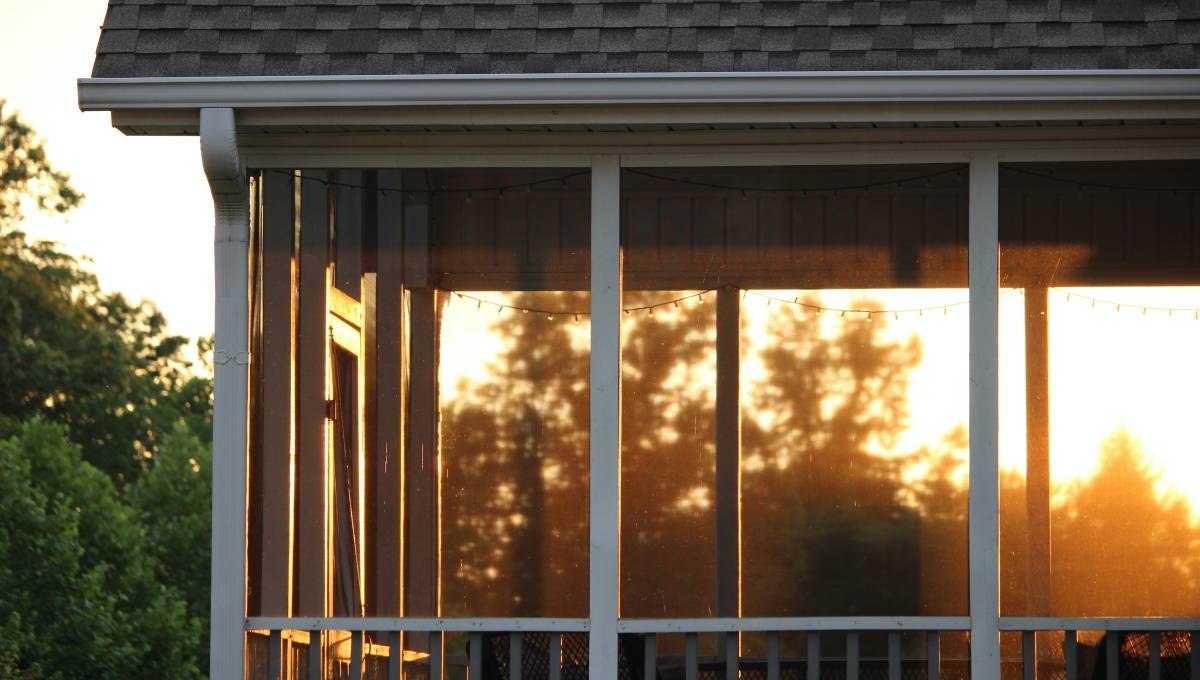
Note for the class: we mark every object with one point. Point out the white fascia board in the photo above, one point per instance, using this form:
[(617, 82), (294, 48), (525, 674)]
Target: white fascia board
[(340, 92)]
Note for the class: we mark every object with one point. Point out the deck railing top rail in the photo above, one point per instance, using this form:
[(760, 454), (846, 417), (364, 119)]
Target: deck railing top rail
[(418, 624), (1123, 624), (808, 623)]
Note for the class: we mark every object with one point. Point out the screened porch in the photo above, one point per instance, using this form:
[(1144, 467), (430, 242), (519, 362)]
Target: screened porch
[(773, 419)]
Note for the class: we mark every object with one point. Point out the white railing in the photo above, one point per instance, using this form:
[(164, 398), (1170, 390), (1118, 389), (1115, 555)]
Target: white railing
[(275, 628), (730, 658), (814, 627), (1114, 629)]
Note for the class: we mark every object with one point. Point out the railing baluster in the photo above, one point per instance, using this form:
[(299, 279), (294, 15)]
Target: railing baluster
[(852, 655), (1112, 643), (1071, 652), (933, 655), (515, 663), (395, 654), (435, 655), (1196, 654), (356, 654), (1156, 655), (691, 661), (314, 655), (274, 669), (894, 655), (773, 655), (813, 663), (650, 672), (554, 660), (731, 656), (475, 652), (1029, 654)]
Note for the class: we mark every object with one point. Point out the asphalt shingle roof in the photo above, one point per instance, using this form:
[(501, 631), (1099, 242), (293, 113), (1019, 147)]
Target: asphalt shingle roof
[(343, 37)]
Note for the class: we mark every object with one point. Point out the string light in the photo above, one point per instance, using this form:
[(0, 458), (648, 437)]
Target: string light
[(576, 315), (1120, 306), (817, 310)]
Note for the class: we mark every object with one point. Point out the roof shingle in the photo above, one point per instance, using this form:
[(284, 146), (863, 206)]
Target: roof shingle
[(302, 37)]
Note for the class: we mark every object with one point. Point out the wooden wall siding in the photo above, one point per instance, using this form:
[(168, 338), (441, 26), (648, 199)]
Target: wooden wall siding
[(348, 232), (1050, 235), (254, 496), (871, 240), (534, 240), (388, 328), (312, 343), (422, 562), (278, 272), (421, 494)]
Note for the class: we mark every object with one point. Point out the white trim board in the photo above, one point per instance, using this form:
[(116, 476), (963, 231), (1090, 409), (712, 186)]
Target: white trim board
[(114, 94), (715, 156)]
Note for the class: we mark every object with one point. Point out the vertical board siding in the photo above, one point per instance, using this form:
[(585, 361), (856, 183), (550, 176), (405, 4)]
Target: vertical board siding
[(420, 591), (254, 497), (421, 479), (1037, 451), (348, 233), (545, 230), (728, 493), (390, 398), (278, 260), (775, 231), (311, 341)]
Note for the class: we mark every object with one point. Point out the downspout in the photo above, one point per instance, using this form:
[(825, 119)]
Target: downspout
[(231, 359)]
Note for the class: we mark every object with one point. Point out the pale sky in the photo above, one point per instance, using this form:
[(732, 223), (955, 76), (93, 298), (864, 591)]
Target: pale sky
[(147, 221)]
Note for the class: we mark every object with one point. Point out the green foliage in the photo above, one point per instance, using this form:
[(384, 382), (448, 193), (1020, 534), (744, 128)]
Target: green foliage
[(26, 172), (105, 475), (173, 501), (76, 355), (81, 593)]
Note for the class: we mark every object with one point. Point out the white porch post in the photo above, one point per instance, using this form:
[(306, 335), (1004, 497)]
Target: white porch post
[(227, 180), (605, 420), (984, 263)]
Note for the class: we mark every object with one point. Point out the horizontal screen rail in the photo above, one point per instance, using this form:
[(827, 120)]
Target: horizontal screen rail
[(1125, 625), (415, 624), (817, 623)]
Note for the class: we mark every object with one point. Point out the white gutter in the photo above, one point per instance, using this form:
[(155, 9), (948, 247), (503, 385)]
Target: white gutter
[(879, 87)]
